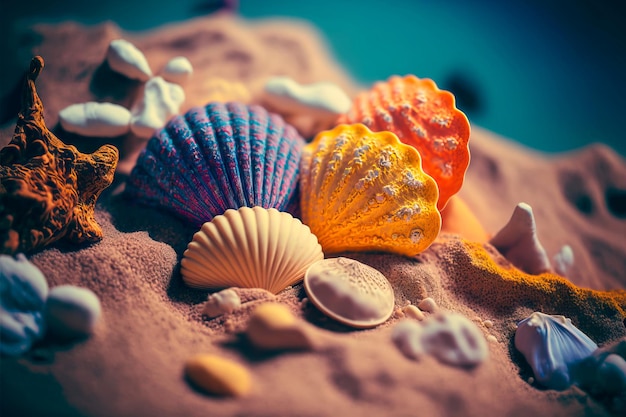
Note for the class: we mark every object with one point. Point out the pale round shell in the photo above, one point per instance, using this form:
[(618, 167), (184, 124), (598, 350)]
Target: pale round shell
[(250, 248), (350, 292)]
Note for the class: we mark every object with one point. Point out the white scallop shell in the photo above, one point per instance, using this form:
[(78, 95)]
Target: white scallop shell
[(125, 58), (94, 119), (552, 346), (250, 248), (350, 292)]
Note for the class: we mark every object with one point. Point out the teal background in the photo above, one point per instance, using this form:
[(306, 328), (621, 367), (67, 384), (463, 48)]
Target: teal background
[(549, 74)]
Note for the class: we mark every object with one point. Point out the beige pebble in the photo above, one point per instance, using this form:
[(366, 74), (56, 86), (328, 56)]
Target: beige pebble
[(222, 302), (491, 338), (488, 324), (273, 326), (124, 57), (218, 375), (413, 312), (428, 304)]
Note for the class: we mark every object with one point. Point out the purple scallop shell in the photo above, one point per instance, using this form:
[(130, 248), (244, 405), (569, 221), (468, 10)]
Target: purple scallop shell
[(221, 156)]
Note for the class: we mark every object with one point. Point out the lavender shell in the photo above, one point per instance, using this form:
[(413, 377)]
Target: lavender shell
[(553, 347), (221, 156)]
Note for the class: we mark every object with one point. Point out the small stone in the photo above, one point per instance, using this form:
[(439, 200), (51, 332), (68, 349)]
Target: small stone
[(177, 70), (488, 324), (491, 338), (223, 302), (563, 261), (71, 312), (124, 57), (272, 326), (428, 304), (23, 292), (160, 101), (413, 312), (217, 375)]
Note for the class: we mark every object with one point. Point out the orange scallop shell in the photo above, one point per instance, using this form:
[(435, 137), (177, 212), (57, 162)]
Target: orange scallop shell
[(423, 116)]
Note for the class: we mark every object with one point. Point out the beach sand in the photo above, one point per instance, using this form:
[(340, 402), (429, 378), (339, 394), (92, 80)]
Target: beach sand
[(133, 364)]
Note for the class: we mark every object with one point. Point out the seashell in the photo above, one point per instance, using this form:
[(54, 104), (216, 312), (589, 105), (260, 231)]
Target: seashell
[(428, 304), (350, 292), (48, 190), (454, 339), (519, 244), (450, 337), (218, 157), (422, 116), (272, 326), (224, 91), (222, 302), (250, 248), (564, 260), (160, 101), (71, 312), (320, 103), (125, 58), (218, 375), (178, 70), (552, 346), (95, 119), (365, 191), (23, 292)]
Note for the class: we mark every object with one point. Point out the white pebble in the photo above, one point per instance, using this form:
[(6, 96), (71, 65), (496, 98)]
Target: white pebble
[(413, 312), (428, 304), (95, 119), (488, 324), (177, 70), (160, 101), (223, 302), (491, 338), (125, 58), (71, 311)]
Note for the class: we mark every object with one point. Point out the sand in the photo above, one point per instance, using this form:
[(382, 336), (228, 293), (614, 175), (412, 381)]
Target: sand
[(133, 365)]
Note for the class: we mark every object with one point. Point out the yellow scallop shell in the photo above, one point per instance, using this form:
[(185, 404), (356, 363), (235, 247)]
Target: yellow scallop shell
[(366, 191), (250, 248)]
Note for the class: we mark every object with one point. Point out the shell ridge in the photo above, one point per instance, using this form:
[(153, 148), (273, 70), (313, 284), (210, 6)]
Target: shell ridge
[(274, 132), (240, 120), (222, 151), (259, 123)]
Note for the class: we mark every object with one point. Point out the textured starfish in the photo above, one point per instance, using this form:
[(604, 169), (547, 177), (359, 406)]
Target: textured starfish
[(48, 190)]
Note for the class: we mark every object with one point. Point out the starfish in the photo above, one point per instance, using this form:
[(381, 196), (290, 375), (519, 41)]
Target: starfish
[(48, 190)]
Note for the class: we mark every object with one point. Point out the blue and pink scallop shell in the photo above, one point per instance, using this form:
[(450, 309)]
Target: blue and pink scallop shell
[(221, 156)]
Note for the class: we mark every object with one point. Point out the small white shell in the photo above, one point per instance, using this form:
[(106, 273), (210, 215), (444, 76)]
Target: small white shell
[(222, 302), (125, 58), (160, 101), (552, 346), (95, 119), (350, 292), (564, 260), (177, 70), (310, 108)]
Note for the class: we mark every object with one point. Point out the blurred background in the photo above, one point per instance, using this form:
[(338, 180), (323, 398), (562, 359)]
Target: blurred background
[(550, 74)]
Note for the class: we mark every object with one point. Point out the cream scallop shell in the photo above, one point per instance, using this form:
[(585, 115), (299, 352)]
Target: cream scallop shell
[(250, 248)]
